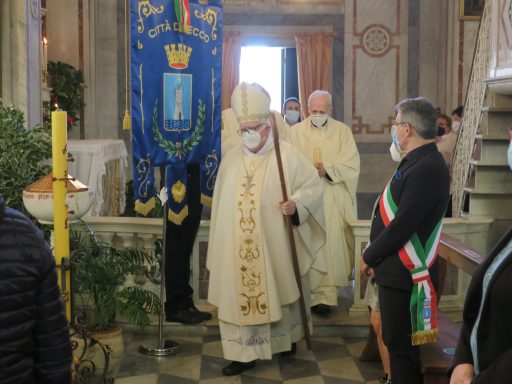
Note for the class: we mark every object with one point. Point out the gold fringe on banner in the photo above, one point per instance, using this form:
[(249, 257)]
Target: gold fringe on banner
[(127, 121), (424, 337), (144, 208)]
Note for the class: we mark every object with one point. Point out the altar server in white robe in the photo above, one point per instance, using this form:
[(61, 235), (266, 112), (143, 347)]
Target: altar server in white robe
[(330, 147), (249, 258)]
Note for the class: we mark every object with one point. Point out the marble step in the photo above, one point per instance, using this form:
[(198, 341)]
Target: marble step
[(497, 206), (490, 152), (495, 121), (493, 99), (338, 323), (491, 180)]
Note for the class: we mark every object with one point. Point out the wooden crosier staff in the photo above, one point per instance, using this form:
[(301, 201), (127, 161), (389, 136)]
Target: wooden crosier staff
[(289, 226)]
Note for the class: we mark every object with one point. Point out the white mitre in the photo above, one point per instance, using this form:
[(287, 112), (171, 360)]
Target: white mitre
[(250, 102)]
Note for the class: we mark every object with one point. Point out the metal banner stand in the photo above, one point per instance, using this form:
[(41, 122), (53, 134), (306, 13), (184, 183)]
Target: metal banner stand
[(168, 347)]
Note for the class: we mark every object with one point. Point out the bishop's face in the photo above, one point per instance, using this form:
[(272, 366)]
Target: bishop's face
[(254, 135)]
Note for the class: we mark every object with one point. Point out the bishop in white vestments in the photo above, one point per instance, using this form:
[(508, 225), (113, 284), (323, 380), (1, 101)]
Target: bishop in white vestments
[(249, 256)]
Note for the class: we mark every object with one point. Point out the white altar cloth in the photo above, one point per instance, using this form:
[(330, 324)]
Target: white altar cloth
[(101, 165)]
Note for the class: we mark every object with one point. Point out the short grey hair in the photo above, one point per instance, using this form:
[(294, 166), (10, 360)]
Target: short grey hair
[(421, 114), (320, 92)]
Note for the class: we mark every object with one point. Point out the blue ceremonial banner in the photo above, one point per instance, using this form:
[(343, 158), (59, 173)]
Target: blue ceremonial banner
[(176, 68)]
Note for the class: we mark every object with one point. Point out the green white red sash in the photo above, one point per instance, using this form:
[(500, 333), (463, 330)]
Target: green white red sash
[(182, 10), (417, 259)]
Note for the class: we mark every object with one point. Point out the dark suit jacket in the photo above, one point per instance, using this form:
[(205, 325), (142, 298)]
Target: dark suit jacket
[(495, 328), (420, 189)]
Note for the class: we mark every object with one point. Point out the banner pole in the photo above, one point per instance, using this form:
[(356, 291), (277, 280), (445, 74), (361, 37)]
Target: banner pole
[(168, 347)]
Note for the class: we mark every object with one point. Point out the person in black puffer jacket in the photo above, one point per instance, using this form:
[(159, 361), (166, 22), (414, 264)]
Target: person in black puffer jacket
[(34, 334)]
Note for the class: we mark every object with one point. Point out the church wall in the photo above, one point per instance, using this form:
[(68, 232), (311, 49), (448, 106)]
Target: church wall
[(62, 30), (399, 49), (20, 57)]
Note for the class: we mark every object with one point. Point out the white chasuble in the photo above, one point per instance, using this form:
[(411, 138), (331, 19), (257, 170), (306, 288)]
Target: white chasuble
[(251, 272), (334, 146)]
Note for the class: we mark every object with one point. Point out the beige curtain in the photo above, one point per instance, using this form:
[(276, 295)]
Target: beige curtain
[(314, 59), (231, 50)]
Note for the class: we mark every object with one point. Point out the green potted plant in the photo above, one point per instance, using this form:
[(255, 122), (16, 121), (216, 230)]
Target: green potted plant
[(66, 84), (99, 273), (22, 152)]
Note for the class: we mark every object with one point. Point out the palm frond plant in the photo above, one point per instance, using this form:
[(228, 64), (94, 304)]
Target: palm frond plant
[(100, 272)]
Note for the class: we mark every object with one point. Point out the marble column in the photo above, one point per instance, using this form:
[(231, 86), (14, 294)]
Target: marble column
[(20, 57)]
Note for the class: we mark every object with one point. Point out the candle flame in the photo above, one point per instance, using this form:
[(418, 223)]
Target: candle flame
[(45, 41), (56, 106)]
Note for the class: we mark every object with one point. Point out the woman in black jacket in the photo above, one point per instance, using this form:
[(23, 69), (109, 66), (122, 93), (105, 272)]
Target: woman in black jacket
[(484, 350), (34, 334)]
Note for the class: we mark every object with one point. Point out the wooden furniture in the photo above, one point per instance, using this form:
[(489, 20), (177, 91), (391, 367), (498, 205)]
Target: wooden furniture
[(436, 358)]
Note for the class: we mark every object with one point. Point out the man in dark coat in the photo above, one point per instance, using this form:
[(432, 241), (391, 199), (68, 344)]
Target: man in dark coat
[(34, 334), (404, 235)]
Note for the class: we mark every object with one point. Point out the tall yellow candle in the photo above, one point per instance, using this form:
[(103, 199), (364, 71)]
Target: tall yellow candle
[(60, 208)]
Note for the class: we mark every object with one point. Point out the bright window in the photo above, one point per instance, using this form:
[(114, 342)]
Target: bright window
[(263, 65)]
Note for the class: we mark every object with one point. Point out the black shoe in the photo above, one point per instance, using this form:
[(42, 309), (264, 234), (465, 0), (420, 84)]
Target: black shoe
[(205, 315), (235, 367), (291, 352), (321, 309), (186, 316)]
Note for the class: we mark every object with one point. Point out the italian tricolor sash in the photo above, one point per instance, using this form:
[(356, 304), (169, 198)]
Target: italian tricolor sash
[(182, 10), (417, 259)]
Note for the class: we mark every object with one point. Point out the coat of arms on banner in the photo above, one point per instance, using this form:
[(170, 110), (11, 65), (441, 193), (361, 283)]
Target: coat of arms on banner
[(176, 68)]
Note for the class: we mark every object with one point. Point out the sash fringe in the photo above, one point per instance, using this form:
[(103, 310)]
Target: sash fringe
[(177, 218), (424, 337)]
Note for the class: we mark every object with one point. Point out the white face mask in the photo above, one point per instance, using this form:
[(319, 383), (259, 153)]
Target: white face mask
[(395, 155), (251, 140), (318, 120), (510, 155), (292, 116), (456, 126)]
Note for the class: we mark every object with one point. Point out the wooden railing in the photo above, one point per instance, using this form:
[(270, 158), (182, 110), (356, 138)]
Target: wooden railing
[(437, 358), (460, 254)]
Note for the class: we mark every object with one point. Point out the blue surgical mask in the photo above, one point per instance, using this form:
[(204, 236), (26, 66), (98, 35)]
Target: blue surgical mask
[(292, 116), (396, 142)]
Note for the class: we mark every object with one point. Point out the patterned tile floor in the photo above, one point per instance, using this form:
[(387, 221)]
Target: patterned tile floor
[(333, 360)]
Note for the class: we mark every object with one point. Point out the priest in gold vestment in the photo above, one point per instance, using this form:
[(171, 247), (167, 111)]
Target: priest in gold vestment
[(249, 258), (330, 147)]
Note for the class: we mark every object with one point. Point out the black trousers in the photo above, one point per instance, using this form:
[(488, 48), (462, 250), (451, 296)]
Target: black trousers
[(179, 243), (396, 333)]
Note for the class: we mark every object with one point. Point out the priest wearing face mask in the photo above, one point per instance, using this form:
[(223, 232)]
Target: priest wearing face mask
[(291, 111), (404, 236), (251, 274), (330, 147)]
